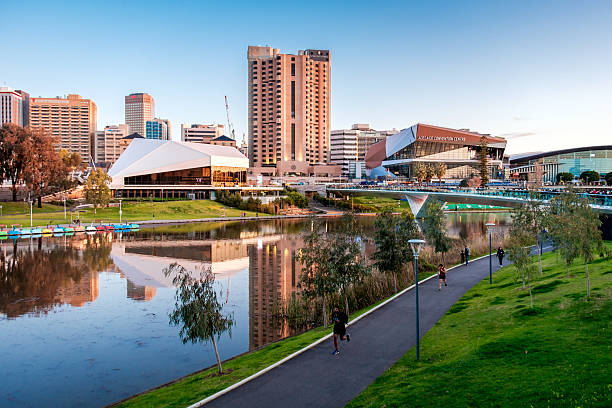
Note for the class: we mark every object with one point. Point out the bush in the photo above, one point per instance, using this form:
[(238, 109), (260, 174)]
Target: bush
[(564, 176), (590, 176), (609, 178), (251, 204), (296, 199)]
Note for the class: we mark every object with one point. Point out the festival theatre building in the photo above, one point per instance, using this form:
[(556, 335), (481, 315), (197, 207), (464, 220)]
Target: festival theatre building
[(169, 169), (458, 149)]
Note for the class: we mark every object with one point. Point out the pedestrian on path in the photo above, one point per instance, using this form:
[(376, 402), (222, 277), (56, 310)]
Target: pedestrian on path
[(500, 255), (467, 255), (462, 256), (441, 276), (340, 319)]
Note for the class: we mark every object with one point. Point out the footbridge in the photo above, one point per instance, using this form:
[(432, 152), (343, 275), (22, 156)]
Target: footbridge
[(418, 198)]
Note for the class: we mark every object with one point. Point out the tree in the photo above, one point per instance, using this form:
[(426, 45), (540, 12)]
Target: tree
[(440, 171), (391, 235), (609, 178), (429, 173), (520, 255), (474, 182), (590, 176), (420, 172), (565, 177), (588, 236), (435, 228), (15, 149), (561, 224), (45, 171), (317, 280), (530, 218), (197, 309), (97, 191), (348, 267), (483, 158)]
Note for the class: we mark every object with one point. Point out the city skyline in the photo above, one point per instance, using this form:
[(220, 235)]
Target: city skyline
[(537, 75)]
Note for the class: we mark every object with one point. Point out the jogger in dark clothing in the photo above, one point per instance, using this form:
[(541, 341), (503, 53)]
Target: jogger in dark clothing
[(462, 256), (340, 319), (500, 255), (467, 255)]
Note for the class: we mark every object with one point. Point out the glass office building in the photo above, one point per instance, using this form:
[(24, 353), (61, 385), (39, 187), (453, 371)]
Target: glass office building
[(575, 161)]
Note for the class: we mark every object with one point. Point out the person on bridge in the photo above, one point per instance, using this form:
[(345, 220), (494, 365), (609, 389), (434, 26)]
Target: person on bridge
[(500, 255), (467, 255), (441, 276), (340, 319)]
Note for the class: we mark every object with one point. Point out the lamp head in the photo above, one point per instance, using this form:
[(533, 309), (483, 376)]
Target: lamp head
[(490, 226), (416, 245)]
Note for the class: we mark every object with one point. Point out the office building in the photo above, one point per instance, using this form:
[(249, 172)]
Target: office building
[(349, 147), (458, 149), (159, 129), (13, 108), (574, 161), (289, 111), (71, 121), (139, 107), (107, 144), (200, 133)]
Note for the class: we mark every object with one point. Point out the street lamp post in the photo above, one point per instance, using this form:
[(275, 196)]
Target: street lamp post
[(490, 227), (416, 245), (119, 211)]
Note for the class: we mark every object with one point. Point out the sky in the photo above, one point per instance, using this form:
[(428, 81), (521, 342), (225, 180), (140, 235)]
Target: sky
[(538, 73)]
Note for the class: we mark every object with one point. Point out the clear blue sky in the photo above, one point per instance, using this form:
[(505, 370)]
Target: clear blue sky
[(541, 70)]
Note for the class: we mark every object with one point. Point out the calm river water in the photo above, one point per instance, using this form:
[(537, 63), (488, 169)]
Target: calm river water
[(84, 319)]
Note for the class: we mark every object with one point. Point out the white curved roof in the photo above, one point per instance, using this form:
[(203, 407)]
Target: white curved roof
[(146, 156)]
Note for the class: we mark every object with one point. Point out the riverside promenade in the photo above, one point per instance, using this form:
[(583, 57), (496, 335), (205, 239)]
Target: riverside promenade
[(316, 378)]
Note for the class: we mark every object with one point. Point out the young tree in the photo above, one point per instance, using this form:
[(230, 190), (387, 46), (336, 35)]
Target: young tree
[(561, 224), (435, 228), (429, 173), (440, 171), (349, 265), (588, 236), (97, 191), (483, 158), (391, 235), (531, 218), (520, 255), (316, 256), (197, 309)]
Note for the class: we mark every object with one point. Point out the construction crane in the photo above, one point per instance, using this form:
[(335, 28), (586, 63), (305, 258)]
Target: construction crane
[(230, 127)]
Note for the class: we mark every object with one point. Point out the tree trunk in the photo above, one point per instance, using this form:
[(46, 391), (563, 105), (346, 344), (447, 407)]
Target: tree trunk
[(219, 368), (539, 256), (394, 283), (346, 303), (530, 297), (39, 202), (586, 270), (14, 191), (324, 312), (566, 270), (523, 274)]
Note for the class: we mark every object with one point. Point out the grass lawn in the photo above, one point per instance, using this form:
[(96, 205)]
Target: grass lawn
[(378, 204), (19, 213), (200, 385), (491, 349)]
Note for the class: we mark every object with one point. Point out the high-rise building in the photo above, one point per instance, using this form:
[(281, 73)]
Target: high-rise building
[(159, 129), (71, 121), (107, 144), (200, 133), (25, 100), (12, 107), (289, 105), (139, 107), (349, 147)]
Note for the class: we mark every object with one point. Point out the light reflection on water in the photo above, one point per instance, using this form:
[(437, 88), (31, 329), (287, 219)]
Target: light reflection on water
[(85, 318)]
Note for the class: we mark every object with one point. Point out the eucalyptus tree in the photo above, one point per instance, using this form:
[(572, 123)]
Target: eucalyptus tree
[(587, 236), (391, 236), (562, 223), (530, 218), (197, 309)]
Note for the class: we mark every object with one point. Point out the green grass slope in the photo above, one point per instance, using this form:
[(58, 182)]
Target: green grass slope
[(492, 350)]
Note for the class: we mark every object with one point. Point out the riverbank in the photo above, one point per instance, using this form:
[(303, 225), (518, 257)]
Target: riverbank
[(491, 349)]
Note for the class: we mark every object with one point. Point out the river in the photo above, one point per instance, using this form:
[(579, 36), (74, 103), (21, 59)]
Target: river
[(84, 319)]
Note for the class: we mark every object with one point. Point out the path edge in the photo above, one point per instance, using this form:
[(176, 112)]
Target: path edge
[(311, 345)]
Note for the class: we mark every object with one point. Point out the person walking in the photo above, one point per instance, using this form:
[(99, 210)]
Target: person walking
[(340, 319), (462, 257), (441, 276), (467, 255), (500, 255)]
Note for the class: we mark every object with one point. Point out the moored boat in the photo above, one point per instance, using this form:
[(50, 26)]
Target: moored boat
[(90, 228), (134, 226), (79, 228)]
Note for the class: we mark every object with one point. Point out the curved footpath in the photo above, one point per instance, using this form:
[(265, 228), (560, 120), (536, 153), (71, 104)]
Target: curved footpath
[(316, 378)]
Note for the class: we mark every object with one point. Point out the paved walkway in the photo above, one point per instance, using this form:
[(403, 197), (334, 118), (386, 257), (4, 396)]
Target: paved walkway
[(316, 378)]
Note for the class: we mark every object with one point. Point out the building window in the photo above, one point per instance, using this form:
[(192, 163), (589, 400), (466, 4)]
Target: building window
[(293, 141), (293, 99), (292, 69)]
